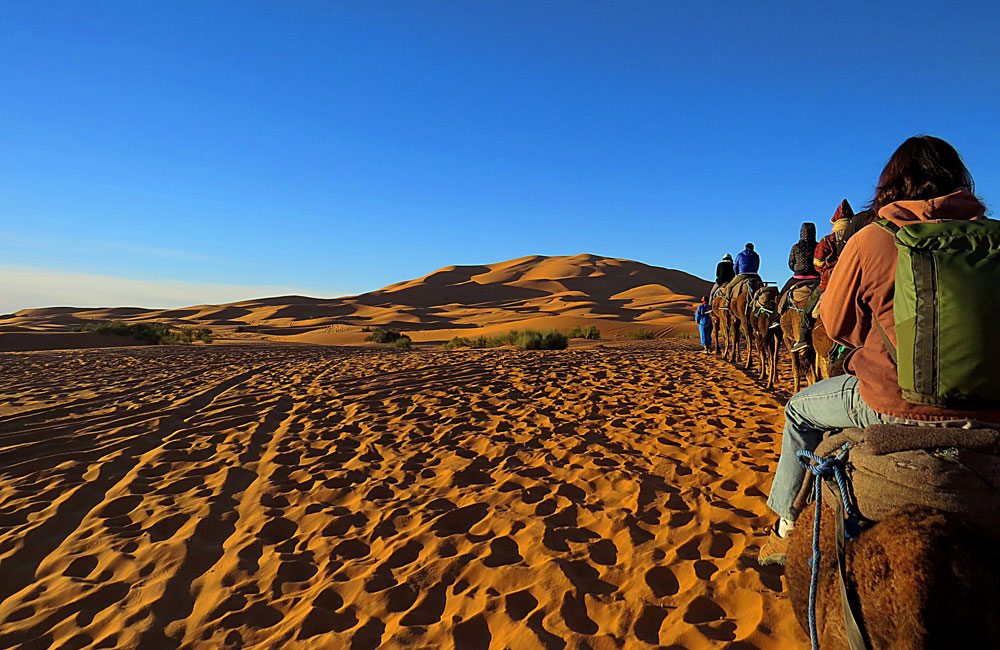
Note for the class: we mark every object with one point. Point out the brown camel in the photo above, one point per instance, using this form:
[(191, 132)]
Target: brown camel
[(740, 315), (720, 324), (826, 363), (923, 578), (763, 314), (802, 362)]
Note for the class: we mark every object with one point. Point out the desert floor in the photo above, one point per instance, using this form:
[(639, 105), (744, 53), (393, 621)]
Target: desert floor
[(308, 497)]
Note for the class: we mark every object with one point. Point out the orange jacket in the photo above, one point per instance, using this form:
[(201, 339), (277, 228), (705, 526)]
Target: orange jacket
[(862, 288)]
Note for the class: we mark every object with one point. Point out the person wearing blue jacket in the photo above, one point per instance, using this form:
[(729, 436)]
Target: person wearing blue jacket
[(747, 261), (746, 264), (702, 316)]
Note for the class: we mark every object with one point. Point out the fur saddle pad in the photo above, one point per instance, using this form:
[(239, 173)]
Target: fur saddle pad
[(737, 284), (798, 294), (801, 292), (950, 469)]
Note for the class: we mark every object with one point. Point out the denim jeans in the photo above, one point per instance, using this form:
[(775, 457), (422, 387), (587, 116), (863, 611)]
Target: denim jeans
[(833, 403)]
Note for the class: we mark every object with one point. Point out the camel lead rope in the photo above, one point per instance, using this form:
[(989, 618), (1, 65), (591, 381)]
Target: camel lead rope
[(831, 467)]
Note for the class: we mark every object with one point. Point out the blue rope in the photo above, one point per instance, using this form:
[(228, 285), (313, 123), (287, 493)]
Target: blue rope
[(822, 468)]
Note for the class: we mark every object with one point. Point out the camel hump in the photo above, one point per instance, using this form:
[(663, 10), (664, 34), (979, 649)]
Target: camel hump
[(954, 470)]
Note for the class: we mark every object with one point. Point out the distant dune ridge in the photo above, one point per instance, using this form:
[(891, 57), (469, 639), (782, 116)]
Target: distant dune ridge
[(535, 291)]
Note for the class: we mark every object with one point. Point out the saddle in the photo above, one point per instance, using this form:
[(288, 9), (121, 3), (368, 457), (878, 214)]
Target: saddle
[(954, 470), (733, 288), (797, 293)]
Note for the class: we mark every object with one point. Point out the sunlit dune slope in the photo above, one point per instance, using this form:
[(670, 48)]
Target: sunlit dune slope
[(615, 294)]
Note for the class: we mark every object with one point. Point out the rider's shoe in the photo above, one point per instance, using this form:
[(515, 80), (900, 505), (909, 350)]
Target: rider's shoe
[(774, 549), (773, 325), (800, 346)]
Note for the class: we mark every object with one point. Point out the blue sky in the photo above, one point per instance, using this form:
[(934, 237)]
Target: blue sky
[(160, 154)]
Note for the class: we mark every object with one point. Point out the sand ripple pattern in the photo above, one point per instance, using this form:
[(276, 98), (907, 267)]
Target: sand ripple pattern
[(307, 497)]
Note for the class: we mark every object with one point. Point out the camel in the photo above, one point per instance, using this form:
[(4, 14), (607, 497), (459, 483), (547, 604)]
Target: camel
[(720, 324), (763, 314), (826, 365), (921, 577), (803, 363), (740, 317)]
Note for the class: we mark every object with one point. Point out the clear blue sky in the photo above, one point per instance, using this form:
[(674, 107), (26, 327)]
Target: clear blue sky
[(180, 152)]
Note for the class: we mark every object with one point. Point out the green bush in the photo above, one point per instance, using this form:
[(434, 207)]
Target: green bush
[(463, 342), (402, 342), (581, 332), (156, 333), (685, 335), (382, 335), (524, 339), (641, 334)]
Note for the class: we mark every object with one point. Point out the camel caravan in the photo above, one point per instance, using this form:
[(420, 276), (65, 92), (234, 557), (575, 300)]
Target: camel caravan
[(887, 490)]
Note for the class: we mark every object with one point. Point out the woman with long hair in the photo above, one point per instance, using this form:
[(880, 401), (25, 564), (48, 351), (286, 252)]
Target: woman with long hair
[(924, 180)]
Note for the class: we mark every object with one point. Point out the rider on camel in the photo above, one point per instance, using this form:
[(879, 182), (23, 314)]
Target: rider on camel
[(746, 265), (800, 258), (925, 180), (724, 273), (824, 259)]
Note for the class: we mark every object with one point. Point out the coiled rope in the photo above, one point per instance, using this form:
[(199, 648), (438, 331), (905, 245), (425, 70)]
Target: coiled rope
[(823, 468)]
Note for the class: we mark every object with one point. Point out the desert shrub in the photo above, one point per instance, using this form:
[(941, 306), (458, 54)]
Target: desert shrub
[(157, 333), (641, 334), (581, 332), (240, 328), (533, 340), (685, 335), (464, 342), (402, 342), (366, 328), (524, 339), (382, 335)]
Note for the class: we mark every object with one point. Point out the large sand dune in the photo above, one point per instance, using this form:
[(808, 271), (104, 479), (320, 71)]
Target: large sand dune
[(278, 496), (614, 294)]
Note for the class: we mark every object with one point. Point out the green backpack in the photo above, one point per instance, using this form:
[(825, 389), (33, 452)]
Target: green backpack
[(946, 306)]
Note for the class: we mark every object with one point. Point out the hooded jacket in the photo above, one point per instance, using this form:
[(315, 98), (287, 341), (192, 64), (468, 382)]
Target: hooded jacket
[(862, 289), (800, 258), (724, 271)]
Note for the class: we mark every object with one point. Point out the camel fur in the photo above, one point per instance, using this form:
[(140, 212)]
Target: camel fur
[(762, 314), (739, 304), (720, 324), (803, 363), (924, 579)]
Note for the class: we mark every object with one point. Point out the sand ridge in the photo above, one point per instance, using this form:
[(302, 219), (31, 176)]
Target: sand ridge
[(324, 497), (615, 295)]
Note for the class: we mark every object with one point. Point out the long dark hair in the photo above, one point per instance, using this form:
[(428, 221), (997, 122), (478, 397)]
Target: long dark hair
[(923, 168)]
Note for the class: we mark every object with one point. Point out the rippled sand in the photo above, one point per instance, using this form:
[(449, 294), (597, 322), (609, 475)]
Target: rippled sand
[(309, 497)]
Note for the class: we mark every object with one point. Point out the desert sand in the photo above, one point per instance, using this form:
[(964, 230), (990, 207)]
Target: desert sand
[(266, 495), (537, 292)]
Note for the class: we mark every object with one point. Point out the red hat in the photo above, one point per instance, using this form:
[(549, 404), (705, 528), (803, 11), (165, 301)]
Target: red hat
[(844, 211)]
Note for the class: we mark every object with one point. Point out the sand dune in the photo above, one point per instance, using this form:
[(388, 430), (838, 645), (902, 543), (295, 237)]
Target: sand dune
[(616, 295), (265, 496)]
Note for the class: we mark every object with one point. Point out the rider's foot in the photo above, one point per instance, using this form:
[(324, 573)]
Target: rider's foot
[(773, 325), (774, 549), (800, 346)]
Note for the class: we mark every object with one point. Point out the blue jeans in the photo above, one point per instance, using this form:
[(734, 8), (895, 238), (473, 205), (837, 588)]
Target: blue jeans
[(706, 334), (833, 403)]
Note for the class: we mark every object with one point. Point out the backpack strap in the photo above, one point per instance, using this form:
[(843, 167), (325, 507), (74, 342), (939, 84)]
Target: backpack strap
[(889, 347), (892, 229), (888, 226)]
